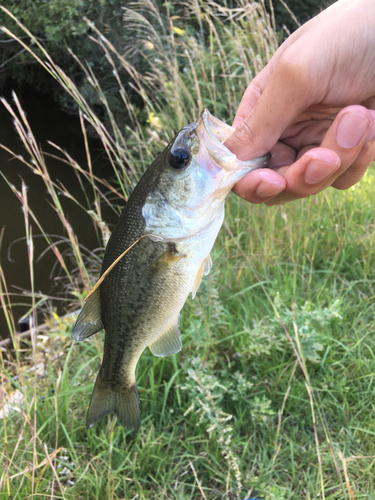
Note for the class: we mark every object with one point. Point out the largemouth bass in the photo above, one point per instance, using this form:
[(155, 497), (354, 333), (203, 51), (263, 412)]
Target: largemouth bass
[(179, 203)]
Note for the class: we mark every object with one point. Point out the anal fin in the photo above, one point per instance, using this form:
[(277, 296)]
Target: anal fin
[(168, 342), (89, 320)]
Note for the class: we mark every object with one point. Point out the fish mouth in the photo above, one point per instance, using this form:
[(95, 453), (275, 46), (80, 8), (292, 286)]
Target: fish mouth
[(213, 132), (217, 130)]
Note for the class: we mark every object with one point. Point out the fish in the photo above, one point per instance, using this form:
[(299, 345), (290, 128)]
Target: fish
[(173, 215)]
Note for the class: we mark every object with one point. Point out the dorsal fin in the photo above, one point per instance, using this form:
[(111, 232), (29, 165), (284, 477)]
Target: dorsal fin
[(168, 342), (89, 320)]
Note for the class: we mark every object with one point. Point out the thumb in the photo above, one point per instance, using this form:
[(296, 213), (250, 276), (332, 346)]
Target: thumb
[(267, 109)]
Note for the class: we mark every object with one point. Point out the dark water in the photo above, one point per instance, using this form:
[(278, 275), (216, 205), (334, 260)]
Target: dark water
[(48, 122)]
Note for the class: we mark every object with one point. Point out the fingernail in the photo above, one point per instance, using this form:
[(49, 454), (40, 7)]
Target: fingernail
[(351, 129), (267, 189), (317, 171)]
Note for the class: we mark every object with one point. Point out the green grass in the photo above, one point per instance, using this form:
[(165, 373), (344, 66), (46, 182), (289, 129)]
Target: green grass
[(272, 395), (247, 408)]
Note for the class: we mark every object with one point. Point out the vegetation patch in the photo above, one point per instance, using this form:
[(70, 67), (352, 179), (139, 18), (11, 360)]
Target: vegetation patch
[(272, 395)]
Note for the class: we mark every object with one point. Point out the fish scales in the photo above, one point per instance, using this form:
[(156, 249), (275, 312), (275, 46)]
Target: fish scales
[(179, 204)]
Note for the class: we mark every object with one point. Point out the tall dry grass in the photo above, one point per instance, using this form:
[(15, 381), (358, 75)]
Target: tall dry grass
[(272, 395)]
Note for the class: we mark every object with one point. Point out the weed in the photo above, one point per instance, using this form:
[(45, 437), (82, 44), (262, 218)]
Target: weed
[(273, 393)]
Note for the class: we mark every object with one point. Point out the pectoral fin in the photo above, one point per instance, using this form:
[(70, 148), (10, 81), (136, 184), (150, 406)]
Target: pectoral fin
[(168, 342), (89, 320), (165, 260), (207, 265), (203, 270)]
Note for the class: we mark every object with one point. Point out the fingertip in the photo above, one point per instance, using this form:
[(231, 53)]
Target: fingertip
[(260, 186), (311, 170), (353, 125), (266, 190)]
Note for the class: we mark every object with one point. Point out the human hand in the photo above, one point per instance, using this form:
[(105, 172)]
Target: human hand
[(312, 106)]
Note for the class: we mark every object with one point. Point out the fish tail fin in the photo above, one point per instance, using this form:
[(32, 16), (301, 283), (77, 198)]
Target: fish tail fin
[(124, 402)]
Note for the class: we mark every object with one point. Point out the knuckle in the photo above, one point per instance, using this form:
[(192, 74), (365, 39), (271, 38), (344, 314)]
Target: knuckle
[(293, 67)]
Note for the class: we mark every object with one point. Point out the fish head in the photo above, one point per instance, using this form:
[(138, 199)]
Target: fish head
[(197, 173)]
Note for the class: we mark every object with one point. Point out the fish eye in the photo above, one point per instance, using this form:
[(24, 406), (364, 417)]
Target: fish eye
[(179, 159)]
